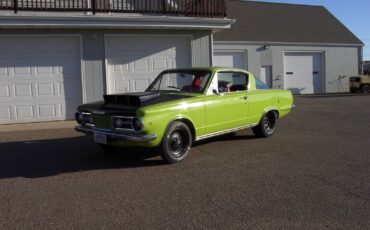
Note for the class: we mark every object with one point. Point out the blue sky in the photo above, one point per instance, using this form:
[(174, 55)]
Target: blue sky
[(355, 14)]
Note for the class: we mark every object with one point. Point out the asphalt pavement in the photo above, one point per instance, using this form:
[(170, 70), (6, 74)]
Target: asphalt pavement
[(314, 173)]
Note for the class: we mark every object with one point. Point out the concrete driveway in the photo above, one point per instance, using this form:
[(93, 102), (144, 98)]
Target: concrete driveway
[(313, 174)]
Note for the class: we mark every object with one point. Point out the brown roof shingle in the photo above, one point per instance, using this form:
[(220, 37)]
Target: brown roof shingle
[(279, 22)]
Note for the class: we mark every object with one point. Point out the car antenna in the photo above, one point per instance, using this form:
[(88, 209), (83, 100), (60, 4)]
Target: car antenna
[(124, 86)]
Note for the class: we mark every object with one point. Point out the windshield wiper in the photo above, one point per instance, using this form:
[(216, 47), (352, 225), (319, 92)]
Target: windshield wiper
[(174, 87)]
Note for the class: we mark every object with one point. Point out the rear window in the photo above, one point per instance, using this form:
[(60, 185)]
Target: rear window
[(260, 84)]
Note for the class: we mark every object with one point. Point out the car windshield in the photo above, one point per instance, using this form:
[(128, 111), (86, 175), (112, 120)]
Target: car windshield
[(184, 81)]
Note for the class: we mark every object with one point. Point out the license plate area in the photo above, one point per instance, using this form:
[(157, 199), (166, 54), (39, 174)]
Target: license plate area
[(100, 138)]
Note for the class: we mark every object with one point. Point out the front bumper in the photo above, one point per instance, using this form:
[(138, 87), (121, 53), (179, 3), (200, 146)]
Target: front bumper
[(118, 136)]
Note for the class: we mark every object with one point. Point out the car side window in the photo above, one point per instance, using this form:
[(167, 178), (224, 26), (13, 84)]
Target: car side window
[(260, 84), (232, 82)]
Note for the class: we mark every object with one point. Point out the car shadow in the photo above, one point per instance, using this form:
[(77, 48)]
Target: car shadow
[(44, 158)]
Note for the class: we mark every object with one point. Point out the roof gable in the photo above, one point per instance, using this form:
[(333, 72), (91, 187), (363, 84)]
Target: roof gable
[(277, 22)]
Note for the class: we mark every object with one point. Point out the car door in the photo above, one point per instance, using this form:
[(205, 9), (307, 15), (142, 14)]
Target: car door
[(226, 103)]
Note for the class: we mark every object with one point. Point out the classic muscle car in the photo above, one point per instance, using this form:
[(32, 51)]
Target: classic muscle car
[(182, 106)]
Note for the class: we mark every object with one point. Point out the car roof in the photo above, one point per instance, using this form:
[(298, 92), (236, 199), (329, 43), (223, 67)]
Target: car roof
[(212, 69)]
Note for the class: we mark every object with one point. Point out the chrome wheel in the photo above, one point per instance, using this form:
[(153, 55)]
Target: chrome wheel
[(269, 123), (177, 142)]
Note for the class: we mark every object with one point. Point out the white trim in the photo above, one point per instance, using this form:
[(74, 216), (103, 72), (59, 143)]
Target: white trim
[(282, 43), (112, 21), (323, 69), (212, 50), (83, 76), (225, 132), (189, 36)]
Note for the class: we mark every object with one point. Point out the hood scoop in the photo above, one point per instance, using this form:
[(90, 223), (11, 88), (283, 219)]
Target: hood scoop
[(130, 99)]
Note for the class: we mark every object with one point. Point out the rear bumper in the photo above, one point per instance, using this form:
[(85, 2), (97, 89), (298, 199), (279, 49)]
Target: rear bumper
[(117, 136)]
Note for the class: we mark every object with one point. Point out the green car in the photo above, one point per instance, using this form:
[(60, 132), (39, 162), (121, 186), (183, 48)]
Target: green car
[(182, 106)]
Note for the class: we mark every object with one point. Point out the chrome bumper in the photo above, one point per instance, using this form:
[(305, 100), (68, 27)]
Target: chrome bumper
[(117, 136)]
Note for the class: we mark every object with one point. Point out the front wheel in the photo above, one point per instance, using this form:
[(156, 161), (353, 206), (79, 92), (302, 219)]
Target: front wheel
[(176, 142), (267, 125)]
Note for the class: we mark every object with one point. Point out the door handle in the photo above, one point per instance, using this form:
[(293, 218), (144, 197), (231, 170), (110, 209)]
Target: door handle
[(244, 98)]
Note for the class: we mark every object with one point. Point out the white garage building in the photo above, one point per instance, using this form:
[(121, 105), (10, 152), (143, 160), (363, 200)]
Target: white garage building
[(298, 47), (50, 62)]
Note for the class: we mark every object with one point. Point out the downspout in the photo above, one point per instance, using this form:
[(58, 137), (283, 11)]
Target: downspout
[(361, 60), (211, 47)]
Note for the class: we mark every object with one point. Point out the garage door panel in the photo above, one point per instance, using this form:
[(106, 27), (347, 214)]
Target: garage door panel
[(140, 85), (303, 72), (134, 61), (45, 89), (24, 111), (23, 90), (229, 59), (121, 86), (46, 110), (160, 64), (38, 77), (4, 91), (5, 112)]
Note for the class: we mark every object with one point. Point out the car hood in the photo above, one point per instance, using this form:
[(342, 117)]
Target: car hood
[(130, 102)]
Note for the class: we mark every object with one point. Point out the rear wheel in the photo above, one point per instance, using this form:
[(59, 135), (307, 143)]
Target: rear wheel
[(176, 142), (267, 125)]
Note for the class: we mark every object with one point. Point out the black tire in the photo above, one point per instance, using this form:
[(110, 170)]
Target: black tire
[(353, 91), (267, 125), (365, 89), (176, 142)]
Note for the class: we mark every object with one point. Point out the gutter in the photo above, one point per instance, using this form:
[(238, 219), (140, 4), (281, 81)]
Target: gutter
[(119, 21), (284, 43)]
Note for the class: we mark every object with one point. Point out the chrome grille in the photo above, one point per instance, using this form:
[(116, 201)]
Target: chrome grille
[(122, 122)]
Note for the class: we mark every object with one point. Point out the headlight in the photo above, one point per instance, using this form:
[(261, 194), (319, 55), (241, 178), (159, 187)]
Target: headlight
[(137, 124), (84, 118), (79, 118)]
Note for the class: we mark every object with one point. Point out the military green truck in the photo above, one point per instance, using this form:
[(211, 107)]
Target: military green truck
[(359, 83)]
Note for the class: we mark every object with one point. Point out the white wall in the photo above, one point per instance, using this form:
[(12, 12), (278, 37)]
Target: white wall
[(338, 61)]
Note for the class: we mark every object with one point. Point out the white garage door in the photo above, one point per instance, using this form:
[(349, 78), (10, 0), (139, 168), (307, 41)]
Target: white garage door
[(229, 59), (134, 61), (40, 78), (303, 72)]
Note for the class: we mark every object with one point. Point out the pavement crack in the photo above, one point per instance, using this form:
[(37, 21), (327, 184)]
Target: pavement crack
[(323, 180)]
